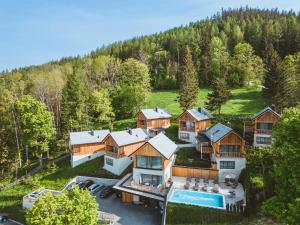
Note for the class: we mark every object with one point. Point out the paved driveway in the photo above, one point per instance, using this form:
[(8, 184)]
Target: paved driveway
[(128, 214)]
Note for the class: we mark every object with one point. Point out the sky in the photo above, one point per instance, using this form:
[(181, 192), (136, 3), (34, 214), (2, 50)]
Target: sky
[(33, 32)]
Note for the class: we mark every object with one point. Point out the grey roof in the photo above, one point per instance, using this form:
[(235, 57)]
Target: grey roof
[(163, 144), (88, 137), (125, 138), (218, 131), (263, 111), (200, 114), (156, 113)]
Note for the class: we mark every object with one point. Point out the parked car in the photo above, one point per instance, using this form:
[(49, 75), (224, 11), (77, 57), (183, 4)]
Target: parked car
[(106, 192), (95, 188), (3, 218), (71, 185), (85, 184)]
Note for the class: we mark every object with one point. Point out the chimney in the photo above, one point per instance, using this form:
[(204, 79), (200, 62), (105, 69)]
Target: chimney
[(200, 110), (273, 107), (156, 109), (92, 132), (129, 131)]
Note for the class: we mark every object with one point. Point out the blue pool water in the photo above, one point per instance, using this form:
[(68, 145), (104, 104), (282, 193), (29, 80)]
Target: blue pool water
[(197, 198)]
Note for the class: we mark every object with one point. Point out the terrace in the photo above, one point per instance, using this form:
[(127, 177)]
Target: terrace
[(233, 192), (127, 184)]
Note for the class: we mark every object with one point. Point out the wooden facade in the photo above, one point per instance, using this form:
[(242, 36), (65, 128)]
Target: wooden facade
[(123, 151), (231, 138), (252, 126), (198, 125), (183, 171), (144, 123), (82, 149), (148, 150), (127, 197)]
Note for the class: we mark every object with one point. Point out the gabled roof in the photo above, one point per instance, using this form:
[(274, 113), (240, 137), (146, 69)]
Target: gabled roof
[(156, 113), (217, 132), (131, 136), (200, 114), (88, 137), (263, 111), (162, 144)]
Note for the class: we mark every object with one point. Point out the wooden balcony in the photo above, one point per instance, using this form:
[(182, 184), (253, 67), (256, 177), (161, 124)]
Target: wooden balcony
[(249, 129), (204, 149), (231, 154), (263, 131), (192, 129), (113, 154)]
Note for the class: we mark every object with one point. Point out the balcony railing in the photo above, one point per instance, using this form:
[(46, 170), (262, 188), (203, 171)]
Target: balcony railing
[(249, 128), (187, 128), (231, 154), (112, 154), (204, 149), (263, 131)]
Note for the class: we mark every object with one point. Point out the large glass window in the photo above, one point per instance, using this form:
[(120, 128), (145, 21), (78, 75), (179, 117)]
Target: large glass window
[(149, 162), (230, 148), (109, 161), (151, 179), (227, 164), (263, 140), (264, 126)]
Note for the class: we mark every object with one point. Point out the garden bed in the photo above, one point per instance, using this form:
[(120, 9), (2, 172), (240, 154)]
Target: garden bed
[(191, 157)]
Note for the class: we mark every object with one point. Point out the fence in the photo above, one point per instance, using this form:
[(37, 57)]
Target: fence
[(183, 171)]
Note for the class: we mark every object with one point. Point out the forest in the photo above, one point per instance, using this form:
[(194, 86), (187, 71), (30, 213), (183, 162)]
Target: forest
[(236, 48)]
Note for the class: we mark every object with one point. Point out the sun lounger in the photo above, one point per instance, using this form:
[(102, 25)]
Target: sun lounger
[(189, 179), (204, 188), (216, 188), (187, 185), (196, 187)]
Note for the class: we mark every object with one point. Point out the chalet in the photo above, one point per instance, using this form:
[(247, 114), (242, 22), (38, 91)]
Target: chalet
[(192, 121), (153, 120), (258, 128), (152, 166), (119, 145), (225, 148), (86, 145)]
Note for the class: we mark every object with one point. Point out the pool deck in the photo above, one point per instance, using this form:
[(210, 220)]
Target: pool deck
[(179, 182)]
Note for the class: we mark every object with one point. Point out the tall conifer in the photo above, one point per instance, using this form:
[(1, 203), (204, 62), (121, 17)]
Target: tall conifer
[(188, 92)]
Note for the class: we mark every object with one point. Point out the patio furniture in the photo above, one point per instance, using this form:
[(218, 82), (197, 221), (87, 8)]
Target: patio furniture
[(187, 185), (197, 180), (206, 180), (216, 188), (196, 187), (204, 188), (189, 179)]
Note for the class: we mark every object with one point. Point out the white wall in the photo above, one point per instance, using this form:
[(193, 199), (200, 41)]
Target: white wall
[(192, 136), (165, 174), (79, 159), (240, 164), (119, 164), (255, 144)]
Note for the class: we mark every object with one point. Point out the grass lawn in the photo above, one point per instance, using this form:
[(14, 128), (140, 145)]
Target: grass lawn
[(11, 199), (184, 154), (244, 101)]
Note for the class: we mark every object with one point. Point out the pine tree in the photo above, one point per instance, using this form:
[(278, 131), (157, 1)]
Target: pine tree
[(74, 112), (272, 76), (219, 95), (188, 92)]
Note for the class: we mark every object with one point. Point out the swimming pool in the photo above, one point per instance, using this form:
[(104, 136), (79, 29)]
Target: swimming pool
[(198, 198)]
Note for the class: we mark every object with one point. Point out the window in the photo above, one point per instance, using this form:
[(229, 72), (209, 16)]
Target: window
[(151, 179), (142, 122), (229, 148), (184, 135), (227, 164), (190, 124), (264, 126), (263, 140), (183, 123), (109, 161), (114, 149), (149, 162)]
